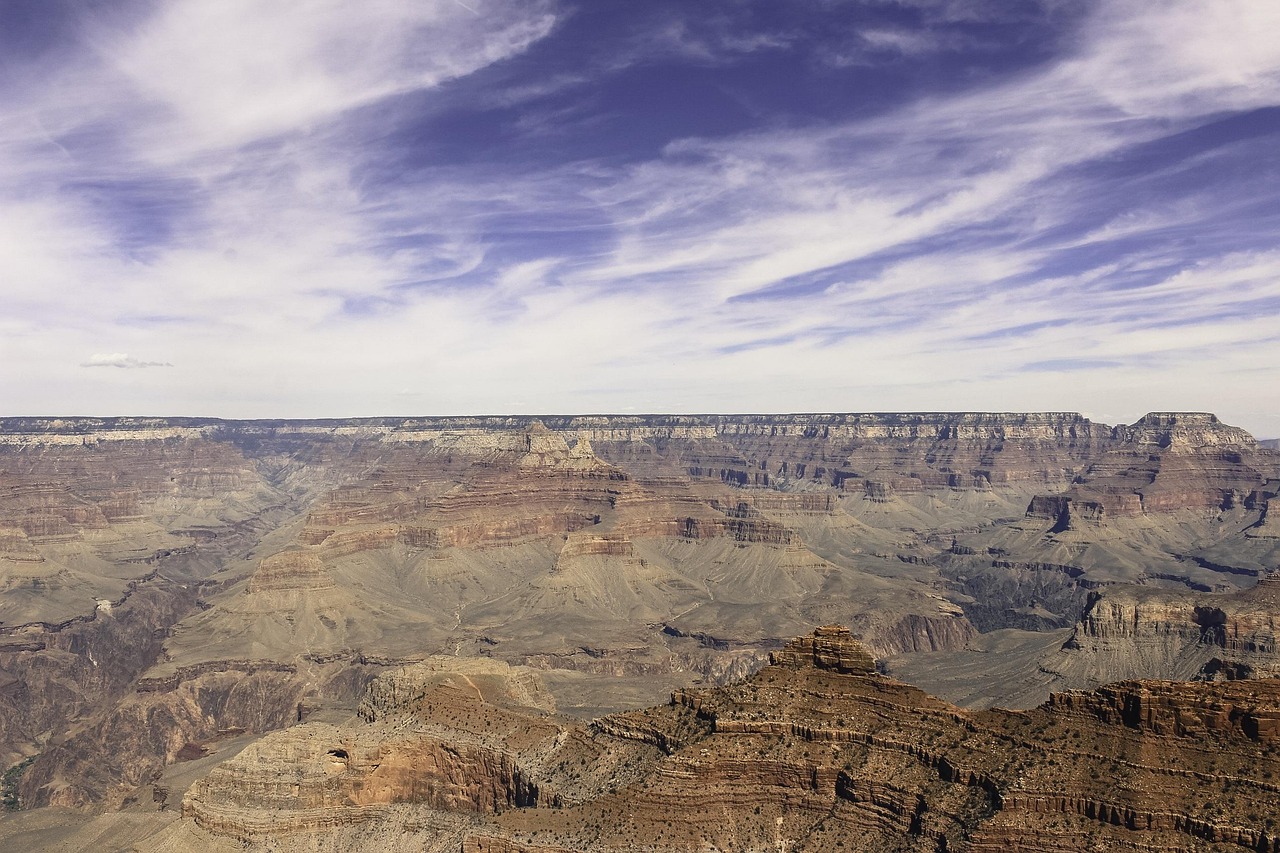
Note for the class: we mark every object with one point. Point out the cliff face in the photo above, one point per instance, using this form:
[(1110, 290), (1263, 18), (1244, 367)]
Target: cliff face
[(321, 778), (1128, 632), (1227, 712), (1164, 463), (283, 564), (863, 452), (103, 540), (815, 752), (831, 647), (859, 452), (934, 449), (81, 516), (469, 736)]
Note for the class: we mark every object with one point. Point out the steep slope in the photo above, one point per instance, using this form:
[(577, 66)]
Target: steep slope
[(107, 538), (288, 563), (815, 752), (1127, 632)]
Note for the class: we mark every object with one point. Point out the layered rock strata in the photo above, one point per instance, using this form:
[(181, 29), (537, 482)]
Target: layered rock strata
[(1128, 631), (621, 554), (815, 752), (1163, 463)]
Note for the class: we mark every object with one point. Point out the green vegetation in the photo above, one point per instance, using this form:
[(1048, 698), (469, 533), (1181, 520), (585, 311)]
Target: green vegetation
[(9, 784)]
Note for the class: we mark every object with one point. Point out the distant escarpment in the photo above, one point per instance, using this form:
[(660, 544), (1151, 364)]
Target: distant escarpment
[(815, 752), (1164, 463), (970, 450), (864, 452), (1129, 631), (167, 582), (861, 452)]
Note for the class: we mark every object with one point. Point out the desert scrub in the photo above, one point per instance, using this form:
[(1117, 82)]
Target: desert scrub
[(9, 784)]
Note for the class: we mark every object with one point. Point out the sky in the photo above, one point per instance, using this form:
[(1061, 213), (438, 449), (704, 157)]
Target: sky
[(314, 208)]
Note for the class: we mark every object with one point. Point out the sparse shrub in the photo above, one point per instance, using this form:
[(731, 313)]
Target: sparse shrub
[(9, 784)]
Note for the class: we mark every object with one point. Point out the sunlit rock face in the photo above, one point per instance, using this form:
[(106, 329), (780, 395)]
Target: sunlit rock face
[(167, 585), (1164, 463), (817, 750), (1129, 632)]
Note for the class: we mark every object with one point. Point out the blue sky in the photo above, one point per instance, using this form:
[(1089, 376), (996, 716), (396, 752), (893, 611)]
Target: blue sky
[(324, 208)]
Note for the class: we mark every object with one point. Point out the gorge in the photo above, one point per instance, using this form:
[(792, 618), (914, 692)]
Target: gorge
[(445, 631)]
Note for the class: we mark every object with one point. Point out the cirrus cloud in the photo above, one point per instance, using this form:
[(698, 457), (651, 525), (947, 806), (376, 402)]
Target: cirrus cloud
[(120, 359), (648, 206)]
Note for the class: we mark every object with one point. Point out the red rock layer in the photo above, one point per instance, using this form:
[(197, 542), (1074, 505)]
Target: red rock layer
[(815, 752)]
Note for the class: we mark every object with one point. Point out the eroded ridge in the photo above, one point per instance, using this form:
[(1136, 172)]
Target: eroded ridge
[(817, 751)]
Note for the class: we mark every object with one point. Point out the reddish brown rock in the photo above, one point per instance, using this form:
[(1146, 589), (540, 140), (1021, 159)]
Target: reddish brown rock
[(291, 570), (815, 751), (831, 647), (645, 548), (1166, 462)]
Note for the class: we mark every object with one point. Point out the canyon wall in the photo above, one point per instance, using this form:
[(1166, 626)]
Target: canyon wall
[(815, 752), (171, 583)]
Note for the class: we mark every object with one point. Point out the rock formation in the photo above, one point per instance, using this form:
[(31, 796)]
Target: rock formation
[(171, 586), (1163, 463), (831, 647), (1127, 632), (815, 752)]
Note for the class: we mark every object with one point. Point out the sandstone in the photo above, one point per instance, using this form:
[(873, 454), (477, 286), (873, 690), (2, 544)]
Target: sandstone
[(831, 647), (1163, 463), (1128, 632), (259, 573), (816, 749), (291, 570)]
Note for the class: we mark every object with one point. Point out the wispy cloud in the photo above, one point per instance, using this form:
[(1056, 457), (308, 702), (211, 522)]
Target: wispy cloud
[(120, 359), (233, 72), (338, 223)]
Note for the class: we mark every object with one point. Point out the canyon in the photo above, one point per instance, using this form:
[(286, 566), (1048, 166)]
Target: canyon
[(438, 631)]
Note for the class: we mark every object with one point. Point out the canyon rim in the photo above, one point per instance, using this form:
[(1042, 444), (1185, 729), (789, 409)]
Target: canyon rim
[(520, 633)]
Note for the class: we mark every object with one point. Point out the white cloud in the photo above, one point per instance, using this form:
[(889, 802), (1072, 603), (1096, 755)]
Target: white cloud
[(120, 359), (1175, 59), (879, 264), (242, 106), (230, 72)]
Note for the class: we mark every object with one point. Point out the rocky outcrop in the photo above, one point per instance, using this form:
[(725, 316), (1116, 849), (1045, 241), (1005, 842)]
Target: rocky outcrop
[(1225, 711), (1194, 431), (317, 777), (130, 745), (290, 570), (1268, 524), (1129, 632), (455, 736), (816, 747), (1127, 765), (911, 452), (1166, 462), (831, 647), (920, 632), (52, 675), (606, 545)]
